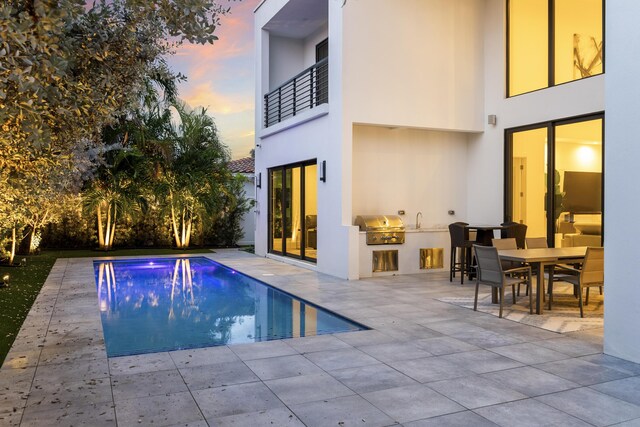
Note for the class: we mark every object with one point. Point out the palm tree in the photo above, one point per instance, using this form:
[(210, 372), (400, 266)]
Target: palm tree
[(192, 183), (115, 192)]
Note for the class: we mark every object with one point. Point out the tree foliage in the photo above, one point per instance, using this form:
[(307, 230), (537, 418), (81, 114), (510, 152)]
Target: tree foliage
[(67, 71), (195, 179)]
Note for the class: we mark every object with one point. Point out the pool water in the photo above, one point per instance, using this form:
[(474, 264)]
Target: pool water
[(162, 304)]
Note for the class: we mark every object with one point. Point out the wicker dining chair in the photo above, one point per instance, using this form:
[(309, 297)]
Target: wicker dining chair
[(515, 230), (490, 272)]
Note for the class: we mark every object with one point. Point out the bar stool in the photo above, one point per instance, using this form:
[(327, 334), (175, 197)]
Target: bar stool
[(459, 261), (516, 230)]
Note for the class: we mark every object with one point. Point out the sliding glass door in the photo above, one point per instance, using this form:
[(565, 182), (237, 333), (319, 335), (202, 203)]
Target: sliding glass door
[(554, 180), (293, 210)]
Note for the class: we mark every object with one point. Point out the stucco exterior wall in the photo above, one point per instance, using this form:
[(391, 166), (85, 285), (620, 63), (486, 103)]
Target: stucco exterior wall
[(248, 222), (622, 198), (412, 170), (414, 63)]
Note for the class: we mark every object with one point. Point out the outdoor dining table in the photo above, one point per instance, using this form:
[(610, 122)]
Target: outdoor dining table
[(539, 258), (484, 233)]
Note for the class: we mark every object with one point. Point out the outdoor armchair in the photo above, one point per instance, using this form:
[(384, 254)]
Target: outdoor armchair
[(590, 275), (490, 272)]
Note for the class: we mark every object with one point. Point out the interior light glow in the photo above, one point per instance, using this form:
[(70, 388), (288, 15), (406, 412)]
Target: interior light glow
[(586, 155)]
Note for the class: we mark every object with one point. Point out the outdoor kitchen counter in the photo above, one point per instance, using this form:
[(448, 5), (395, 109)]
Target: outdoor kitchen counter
[(426, 230), (408, 253)]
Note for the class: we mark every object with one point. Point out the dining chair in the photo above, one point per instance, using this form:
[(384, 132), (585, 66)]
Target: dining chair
[(515, 230), (536, 242), (590, 275), (490, 272), (460, 258), (508, 243), (559, 269)]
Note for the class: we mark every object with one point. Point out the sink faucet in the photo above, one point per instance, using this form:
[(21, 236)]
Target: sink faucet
[(419, 214)]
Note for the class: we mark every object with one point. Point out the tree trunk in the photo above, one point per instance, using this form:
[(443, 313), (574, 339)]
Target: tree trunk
[(183, 227), (113, 227), (12, 255), (100, 235), (108, 228), (37, 223), (32, 250), (188, 236), (174, 225)]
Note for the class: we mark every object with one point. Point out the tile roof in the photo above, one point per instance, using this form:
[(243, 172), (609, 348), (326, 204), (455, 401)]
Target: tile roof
[(244, 165)]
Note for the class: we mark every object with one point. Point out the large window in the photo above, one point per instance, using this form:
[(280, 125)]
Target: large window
[(553, 180), (552, 42), (293, 211)]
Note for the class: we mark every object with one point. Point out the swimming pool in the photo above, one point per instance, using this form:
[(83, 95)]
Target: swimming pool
[(162, 304)]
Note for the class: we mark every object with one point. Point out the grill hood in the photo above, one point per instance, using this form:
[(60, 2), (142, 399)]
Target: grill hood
[(379, 222)]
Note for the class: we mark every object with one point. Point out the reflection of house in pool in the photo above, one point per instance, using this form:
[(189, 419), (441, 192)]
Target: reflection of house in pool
[(471, 111), (167, 304)]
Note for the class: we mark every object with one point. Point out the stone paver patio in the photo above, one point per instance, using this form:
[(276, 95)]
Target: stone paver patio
[(424, 363)]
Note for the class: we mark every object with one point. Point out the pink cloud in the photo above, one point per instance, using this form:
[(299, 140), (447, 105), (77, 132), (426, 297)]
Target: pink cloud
[(204, 94), (220, 76)]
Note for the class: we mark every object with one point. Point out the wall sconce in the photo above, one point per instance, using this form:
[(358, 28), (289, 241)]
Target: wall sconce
[(492, 119), (259, 180), (323, 171)]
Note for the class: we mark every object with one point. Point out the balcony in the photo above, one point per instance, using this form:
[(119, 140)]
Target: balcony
[(305, 91)]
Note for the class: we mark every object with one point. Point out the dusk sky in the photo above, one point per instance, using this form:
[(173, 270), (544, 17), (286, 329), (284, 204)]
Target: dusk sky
[(220, 77)]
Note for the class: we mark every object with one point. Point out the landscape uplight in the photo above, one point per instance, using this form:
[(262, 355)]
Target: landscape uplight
[(5, 280)]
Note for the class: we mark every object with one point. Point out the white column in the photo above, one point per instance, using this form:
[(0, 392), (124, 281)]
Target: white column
[(622, 176)]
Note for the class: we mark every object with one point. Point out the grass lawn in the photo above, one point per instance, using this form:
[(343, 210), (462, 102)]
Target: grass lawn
[(26, 282)]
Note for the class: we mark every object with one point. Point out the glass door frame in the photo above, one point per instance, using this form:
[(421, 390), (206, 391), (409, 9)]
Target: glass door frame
[(551, 165), (284, 169)]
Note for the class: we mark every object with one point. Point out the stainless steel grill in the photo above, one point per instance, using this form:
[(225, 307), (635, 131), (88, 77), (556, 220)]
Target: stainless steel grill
[(381, 229)]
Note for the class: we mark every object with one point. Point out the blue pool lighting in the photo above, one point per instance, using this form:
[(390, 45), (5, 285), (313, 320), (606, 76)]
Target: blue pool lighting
[(164, 304)]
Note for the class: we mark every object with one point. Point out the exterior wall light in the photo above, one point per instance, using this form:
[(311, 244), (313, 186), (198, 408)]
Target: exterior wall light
[(259, 180), (323, 171)]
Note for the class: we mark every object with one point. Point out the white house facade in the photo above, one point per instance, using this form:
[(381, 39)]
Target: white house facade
[(245, 168), (439, 111)]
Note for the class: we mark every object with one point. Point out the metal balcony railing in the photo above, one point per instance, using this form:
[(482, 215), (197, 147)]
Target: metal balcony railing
[(308, 89)]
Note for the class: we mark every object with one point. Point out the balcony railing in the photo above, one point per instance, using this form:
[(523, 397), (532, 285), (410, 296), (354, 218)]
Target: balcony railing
[(308, 89)]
